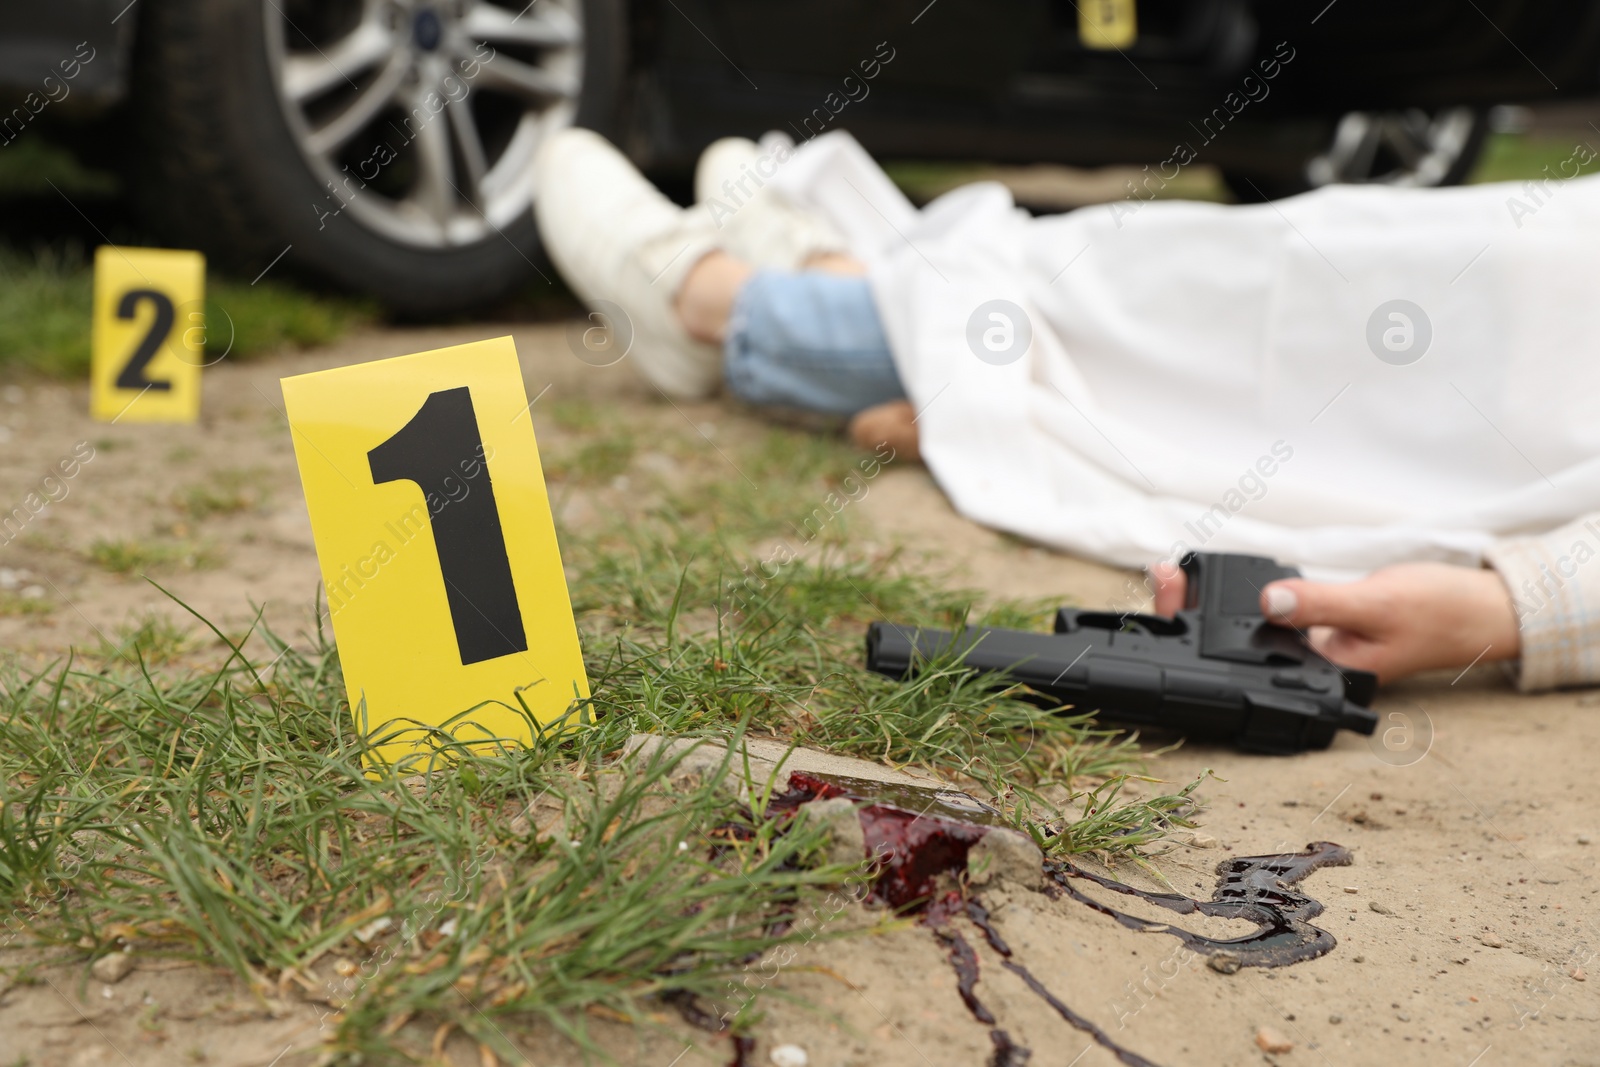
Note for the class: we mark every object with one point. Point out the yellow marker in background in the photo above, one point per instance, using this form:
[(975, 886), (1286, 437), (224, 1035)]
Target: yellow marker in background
[(149, 335), (437, 546), (1107, 23)]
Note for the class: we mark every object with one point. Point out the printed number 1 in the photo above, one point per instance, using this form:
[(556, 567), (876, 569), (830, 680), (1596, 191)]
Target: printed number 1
[(437, 447)]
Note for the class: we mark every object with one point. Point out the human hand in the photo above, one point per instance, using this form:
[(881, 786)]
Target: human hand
[(893, 423), (1395, 622)]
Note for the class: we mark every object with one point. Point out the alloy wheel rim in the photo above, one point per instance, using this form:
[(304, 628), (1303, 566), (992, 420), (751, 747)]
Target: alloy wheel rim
[(1407, 148), (421, 117)]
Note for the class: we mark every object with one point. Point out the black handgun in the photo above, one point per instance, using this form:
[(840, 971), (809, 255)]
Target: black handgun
[(1216, 669)]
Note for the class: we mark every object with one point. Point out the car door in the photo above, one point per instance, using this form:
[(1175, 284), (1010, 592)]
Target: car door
[(958, 45), (808, 66)]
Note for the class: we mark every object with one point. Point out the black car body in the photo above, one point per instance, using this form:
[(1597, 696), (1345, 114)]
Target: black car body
[(382, 144)]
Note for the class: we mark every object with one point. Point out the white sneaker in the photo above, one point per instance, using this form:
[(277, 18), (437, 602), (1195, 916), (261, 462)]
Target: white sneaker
[(754, 223), (617, 240)]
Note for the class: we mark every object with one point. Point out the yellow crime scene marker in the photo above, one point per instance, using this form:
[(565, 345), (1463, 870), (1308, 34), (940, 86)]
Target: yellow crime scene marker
[(437, 546), (148, 335), (1107, 24)]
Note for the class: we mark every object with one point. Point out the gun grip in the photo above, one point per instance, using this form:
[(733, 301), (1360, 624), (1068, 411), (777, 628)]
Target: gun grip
[(1225, 590), (1226, 583)]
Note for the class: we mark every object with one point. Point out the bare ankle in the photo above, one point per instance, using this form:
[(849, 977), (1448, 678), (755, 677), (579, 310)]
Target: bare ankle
[(705, 300), (834, 263)]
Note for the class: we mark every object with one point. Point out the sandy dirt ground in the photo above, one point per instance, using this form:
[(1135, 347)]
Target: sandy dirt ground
[(1463, 924)]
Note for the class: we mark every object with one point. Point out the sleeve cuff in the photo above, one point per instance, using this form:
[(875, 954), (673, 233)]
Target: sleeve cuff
[(1554, 581)]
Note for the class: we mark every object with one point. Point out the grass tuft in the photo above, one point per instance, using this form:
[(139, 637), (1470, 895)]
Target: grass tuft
[(224, 492), (130, 556), (14, 604)]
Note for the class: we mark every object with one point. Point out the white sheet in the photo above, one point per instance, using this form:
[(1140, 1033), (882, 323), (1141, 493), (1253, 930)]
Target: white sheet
[(1182, 350)]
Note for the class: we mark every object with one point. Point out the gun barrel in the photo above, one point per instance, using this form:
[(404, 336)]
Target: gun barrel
[(1036, 660), (1141, 679)]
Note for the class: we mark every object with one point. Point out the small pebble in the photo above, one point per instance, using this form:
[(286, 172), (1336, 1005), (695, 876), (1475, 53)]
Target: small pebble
[(1577, 974), (838, 818), (1402, 1016), (1270, 1040), (1363, 959), (1203, 840), (1381, 909), (1223, 962), (1583, 839), (999, 856), (1490, 940), (1336, 1018), (1352, 889), (789, 1056), (112, 968)]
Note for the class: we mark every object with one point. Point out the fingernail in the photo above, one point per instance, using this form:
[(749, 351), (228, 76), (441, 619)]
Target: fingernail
[(1282, 602)]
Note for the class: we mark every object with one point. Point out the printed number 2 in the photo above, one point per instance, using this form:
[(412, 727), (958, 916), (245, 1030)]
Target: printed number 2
[(434, 450), (132, 376)]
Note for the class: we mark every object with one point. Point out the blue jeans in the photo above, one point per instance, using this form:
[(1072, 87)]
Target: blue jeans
[(811, 341)]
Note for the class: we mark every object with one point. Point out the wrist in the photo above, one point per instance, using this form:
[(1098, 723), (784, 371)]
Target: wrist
[(1501, 633)]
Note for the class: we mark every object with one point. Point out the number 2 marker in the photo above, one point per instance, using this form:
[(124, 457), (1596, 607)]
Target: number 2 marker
[(437, 546), (146, 363)]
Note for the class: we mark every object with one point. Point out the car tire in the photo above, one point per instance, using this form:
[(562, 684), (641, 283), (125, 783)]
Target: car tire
[(1406, 148), (243, 158)]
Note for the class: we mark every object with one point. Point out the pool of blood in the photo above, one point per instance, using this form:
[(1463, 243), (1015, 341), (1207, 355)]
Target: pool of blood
[(1258, 889), (913, 833), (916, 834)]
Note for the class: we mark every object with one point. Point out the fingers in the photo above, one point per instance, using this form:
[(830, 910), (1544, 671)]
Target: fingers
[(1299, 603), (1171, 587), (1352, 650)]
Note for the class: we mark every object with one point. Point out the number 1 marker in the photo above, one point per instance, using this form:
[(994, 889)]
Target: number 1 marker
[(437, 546)]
